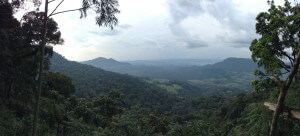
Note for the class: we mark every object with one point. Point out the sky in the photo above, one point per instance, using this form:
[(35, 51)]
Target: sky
[(162, 29)]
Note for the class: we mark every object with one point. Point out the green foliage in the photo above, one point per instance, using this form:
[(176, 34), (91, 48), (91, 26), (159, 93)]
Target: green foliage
[(277, 51), (19, 59), (254, 122), (90, 82), (199, 128), (58, 83), (34, 33), (279, 42), (153, 124), (104, 9), (292, 98)]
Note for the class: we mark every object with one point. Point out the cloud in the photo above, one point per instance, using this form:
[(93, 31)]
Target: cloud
[(196, 44), (124, 26), (80, 39), (181, 9), (242, 43), (109, 32), (225, 11), (176, 28), (233, 22)]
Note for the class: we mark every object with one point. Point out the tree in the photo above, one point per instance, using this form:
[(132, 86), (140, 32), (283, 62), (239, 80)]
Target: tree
[(10, 39), (56, 100), (277, 50), (19, 46), (108, 106), (18, 57), (105, 10), (60, 83)]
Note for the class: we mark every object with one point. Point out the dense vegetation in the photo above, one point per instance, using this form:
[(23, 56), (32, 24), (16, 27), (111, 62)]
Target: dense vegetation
[(79, 99), (193, 109)]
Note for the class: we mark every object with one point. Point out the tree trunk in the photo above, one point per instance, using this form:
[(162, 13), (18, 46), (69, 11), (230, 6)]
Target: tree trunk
[(3, 87), (41, 70), (1, 90), (282, 95), (10, 89), (57, 130)]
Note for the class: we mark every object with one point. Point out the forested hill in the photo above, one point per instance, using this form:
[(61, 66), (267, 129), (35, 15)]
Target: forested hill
[(235, 64), (228, 68), (103, 62), (90, 81)]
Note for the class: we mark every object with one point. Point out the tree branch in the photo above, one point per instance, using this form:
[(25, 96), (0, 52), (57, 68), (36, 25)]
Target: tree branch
[(291, 59), (287, 68), (286, 110), (56, 7), (285, 72), (276, 80), (65, 11), (51, 1)]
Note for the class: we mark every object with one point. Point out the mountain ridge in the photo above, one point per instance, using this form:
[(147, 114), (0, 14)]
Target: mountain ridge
[(104, 62), (219, 69)]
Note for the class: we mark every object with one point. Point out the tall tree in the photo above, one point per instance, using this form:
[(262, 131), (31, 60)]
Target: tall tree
[(10, 40), (277, 50), (105, 10), (18, 56)]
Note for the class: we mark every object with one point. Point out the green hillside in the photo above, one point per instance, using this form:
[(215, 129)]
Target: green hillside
[(90, 81)]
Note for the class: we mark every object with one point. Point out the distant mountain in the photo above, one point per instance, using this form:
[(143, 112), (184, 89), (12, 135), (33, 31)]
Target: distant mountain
[(174, 62), (156, 69), (236, 72), (235, 64), (106, 63), (116, 66)]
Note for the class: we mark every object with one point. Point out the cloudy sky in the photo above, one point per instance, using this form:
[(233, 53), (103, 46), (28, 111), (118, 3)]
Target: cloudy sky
[(163, 29)]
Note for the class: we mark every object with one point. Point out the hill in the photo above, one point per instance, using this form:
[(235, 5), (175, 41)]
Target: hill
[(106, 63), (174, 62), (90, 81), (235, 64), (156, 69)]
